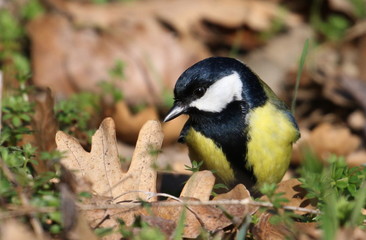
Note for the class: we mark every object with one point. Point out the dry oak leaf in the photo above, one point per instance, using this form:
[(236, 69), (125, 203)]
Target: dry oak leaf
[(199, 185), (102, 166)]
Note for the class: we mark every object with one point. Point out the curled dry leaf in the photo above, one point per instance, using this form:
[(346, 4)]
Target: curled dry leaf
[(129, 124), (102, 166)]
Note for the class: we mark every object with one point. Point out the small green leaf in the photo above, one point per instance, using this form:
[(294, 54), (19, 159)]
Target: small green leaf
[(16, 121), (352, 189), (220, 185), (342, 183), (55, 229)]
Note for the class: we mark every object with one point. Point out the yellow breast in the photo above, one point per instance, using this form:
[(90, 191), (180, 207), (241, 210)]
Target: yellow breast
[(204, 149), (270, 144)]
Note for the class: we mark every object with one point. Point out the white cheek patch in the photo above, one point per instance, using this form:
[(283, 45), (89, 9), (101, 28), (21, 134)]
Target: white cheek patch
[(220, 94)]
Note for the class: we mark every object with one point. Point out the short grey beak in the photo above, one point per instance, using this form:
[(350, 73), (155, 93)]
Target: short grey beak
[(177, 109)]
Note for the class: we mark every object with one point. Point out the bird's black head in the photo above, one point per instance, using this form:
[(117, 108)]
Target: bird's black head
[(211, 84)]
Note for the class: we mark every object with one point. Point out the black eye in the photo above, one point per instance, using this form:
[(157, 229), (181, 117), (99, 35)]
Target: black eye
[(199, 92)]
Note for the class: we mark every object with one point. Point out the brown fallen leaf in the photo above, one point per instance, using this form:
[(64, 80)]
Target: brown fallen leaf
[(199, 185), (265, 230), (203, 216), (239, 192), (99, 216), (129, 125), (356, 158), (156, 40), (329, 139), (102, 166), (166, 226), (295, 194), (192, 226), (44, 125), (153, 57), (197, 217), (292, 190)]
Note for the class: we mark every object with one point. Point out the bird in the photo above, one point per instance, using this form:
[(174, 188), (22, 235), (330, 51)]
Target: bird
[(237, 126)]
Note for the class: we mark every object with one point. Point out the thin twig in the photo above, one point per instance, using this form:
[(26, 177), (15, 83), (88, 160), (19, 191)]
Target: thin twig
[(18, 212), (246, 201)]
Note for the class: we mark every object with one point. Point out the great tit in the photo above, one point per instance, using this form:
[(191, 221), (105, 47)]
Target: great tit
[(237, 126)]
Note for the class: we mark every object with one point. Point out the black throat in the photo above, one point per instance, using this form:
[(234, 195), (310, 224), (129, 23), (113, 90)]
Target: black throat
[(228, 129)]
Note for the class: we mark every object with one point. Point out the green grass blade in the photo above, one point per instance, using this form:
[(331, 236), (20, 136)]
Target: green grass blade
[(178, 233), (299, 73)]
